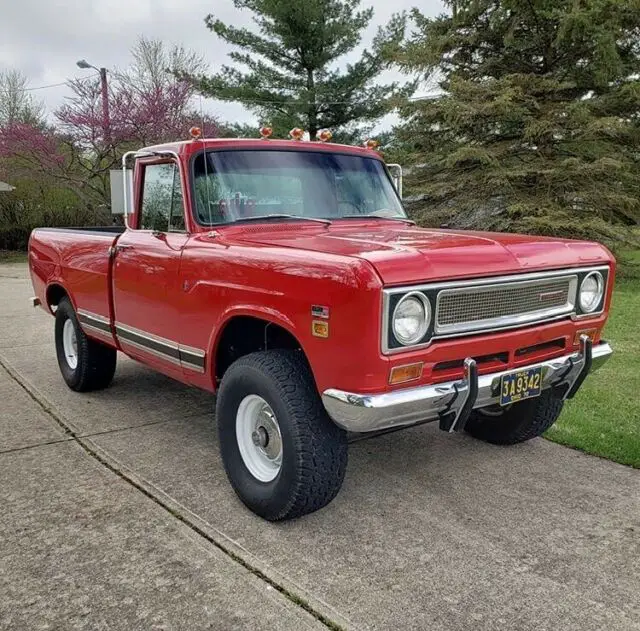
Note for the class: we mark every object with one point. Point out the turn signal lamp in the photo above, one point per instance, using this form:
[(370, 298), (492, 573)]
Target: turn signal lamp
[(296, 133), (401, 374), (324, 135), (265, 132), (590, 333), (195, 133), (371, 144)]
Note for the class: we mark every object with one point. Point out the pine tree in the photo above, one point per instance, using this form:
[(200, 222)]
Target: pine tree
[(286, 71), (538, 125)]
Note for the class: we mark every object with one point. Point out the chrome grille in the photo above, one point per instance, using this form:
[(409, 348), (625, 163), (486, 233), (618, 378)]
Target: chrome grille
[(505, 304)]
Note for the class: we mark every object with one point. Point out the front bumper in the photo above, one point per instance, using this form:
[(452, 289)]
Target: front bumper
[(453, 401)]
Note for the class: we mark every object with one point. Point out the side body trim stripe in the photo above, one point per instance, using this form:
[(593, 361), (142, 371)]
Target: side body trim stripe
[(168, 350), (95, 324), (94, 320), (185, 356)]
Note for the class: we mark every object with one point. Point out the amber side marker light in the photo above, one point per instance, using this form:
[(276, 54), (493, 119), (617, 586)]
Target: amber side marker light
[(320, 328), (401, 374), (590, 333)]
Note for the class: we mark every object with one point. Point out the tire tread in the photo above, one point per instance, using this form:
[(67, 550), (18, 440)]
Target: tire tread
[(96, 361), (320, 445), (524, 421)]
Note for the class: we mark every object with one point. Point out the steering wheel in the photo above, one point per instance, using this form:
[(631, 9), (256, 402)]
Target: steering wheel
[(348, 202)]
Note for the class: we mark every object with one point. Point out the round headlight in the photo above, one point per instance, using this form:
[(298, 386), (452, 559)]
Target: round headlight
[(591, 291), (411, 318)]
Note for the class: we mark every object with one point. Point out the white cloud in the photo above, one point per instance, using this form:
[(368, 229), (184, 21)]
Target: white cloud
[(45, 39)]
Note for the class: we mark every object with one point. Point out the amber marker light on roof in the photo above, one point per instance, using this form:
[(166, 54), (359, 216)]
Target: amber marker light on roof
[(296, 133), (371, 143), (324, 135), (195, 133), (265, 132), (402, 374)]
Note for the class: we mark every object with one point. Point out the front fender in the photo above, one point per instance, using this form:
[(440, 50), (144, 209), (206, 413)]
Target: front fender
[(260, 312)]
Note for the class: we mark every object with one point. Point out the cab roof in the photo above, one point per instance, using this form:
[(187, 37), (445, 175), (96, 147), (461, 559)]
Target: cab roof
[(188, 147)]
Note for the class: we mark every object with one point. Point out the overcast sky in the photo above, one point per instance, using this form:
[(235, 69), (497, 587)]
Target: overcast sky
[(44, 39)]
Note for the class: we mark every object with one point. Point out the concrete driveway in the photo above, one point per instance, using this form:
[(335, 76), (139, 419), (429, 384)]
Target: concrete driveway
[(117, 514)]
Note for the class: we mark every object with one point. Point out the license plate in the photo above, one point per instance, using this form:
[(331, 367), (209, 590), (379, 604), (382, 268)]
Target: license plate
[(520, 385)]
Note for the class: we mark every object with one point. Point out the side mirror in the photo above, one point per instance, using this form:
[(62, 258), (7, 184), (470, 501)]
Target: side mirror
[(395, 170), (117, 182)]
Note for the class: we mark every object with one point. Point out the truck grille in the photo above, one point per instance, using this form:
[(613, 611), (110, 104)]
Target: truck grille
[(506, 304)]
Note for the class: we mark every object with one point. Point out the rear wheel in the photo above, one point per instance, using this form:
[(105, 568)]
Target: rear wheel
[(283, 455), (84, 363), (518, 423)]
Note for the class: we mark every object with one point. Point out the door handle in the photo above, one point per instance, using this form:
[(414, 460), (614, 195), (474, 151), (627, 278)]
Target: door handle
[(114, 249)]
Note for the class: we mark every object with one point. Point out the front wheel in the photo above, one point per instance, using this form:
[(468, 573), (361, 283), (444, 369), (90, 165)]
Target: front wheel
[(520, 422), (283, 455)]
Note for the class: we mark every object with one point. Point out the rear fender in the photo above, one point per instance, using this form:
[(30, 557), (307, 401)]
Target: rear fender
[(54, 292)]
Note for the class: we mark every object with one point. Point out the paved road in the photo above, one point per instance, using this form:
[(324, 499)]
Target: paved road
[(117, 514)]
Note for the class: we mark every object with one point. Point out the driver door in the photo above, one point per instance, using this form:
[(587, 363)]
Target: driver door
[(146, 270)]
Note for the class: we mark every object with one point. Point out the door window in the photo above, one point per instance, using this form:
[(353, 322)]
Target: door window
[(162, 207)]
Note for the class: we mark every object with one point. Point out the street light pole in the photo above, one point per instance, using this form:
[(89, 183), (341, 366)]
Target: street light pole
[(104, 88), (106, 120)]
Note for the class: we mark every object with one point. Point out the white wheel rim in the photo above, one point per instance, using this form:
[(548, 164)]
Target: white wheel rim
[(70, 344), (259, 438)]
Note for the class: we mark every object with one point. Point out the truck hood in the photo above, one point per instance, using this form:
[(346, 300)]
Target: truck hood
[(404, 254)]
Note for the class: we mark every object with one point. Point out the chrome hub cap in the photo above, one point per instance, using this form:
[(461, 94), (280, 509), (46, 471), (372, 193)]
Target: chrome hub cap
[(70, 344), (259, 439)]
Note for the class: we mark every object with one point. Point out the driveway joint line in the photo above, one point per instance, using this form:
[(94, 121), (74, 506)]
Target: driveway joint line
[(89, 449), (124, 429), (34, 446)]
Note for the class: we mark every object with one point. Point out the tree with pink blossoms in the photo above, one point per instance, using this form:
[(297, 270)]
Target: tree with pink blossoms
[(148, 104)]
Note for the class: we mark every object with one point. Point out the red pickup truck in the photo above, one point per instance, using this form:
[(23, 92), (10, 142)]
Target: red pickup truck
[(286, 277)]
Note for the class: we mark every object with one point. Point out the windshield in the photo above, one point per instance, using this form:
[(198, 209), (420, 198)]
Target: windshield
[(238, 185)]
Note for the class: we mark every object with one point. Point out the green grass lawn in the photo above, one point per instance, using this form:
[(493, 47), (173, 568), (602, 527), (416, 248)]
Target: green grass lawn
[(604, 417)]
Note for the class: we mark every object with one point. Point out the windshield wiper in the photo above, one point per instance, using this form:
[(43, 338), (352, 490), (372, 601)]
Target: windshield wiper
[(326, 222), (359, 216)]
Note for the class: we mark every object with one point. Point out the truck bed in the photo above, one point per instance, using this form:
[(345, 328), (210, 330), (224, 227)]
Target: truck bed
[(77, 259), (86, 229)]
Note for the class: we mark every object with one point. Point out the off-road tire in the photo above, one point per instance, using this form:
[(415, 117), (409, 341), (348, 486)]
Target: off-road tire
[(522, 421), (314, 449), (96, 362)]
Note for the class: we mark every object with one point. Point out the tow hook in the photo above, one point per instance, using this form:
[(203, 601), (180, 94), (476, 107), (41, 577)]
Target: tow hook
[(454, 420)]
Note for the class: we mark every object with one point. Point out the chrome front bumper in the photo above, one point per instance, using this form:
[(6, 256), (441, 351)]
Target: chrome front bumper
[(453, 401)]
